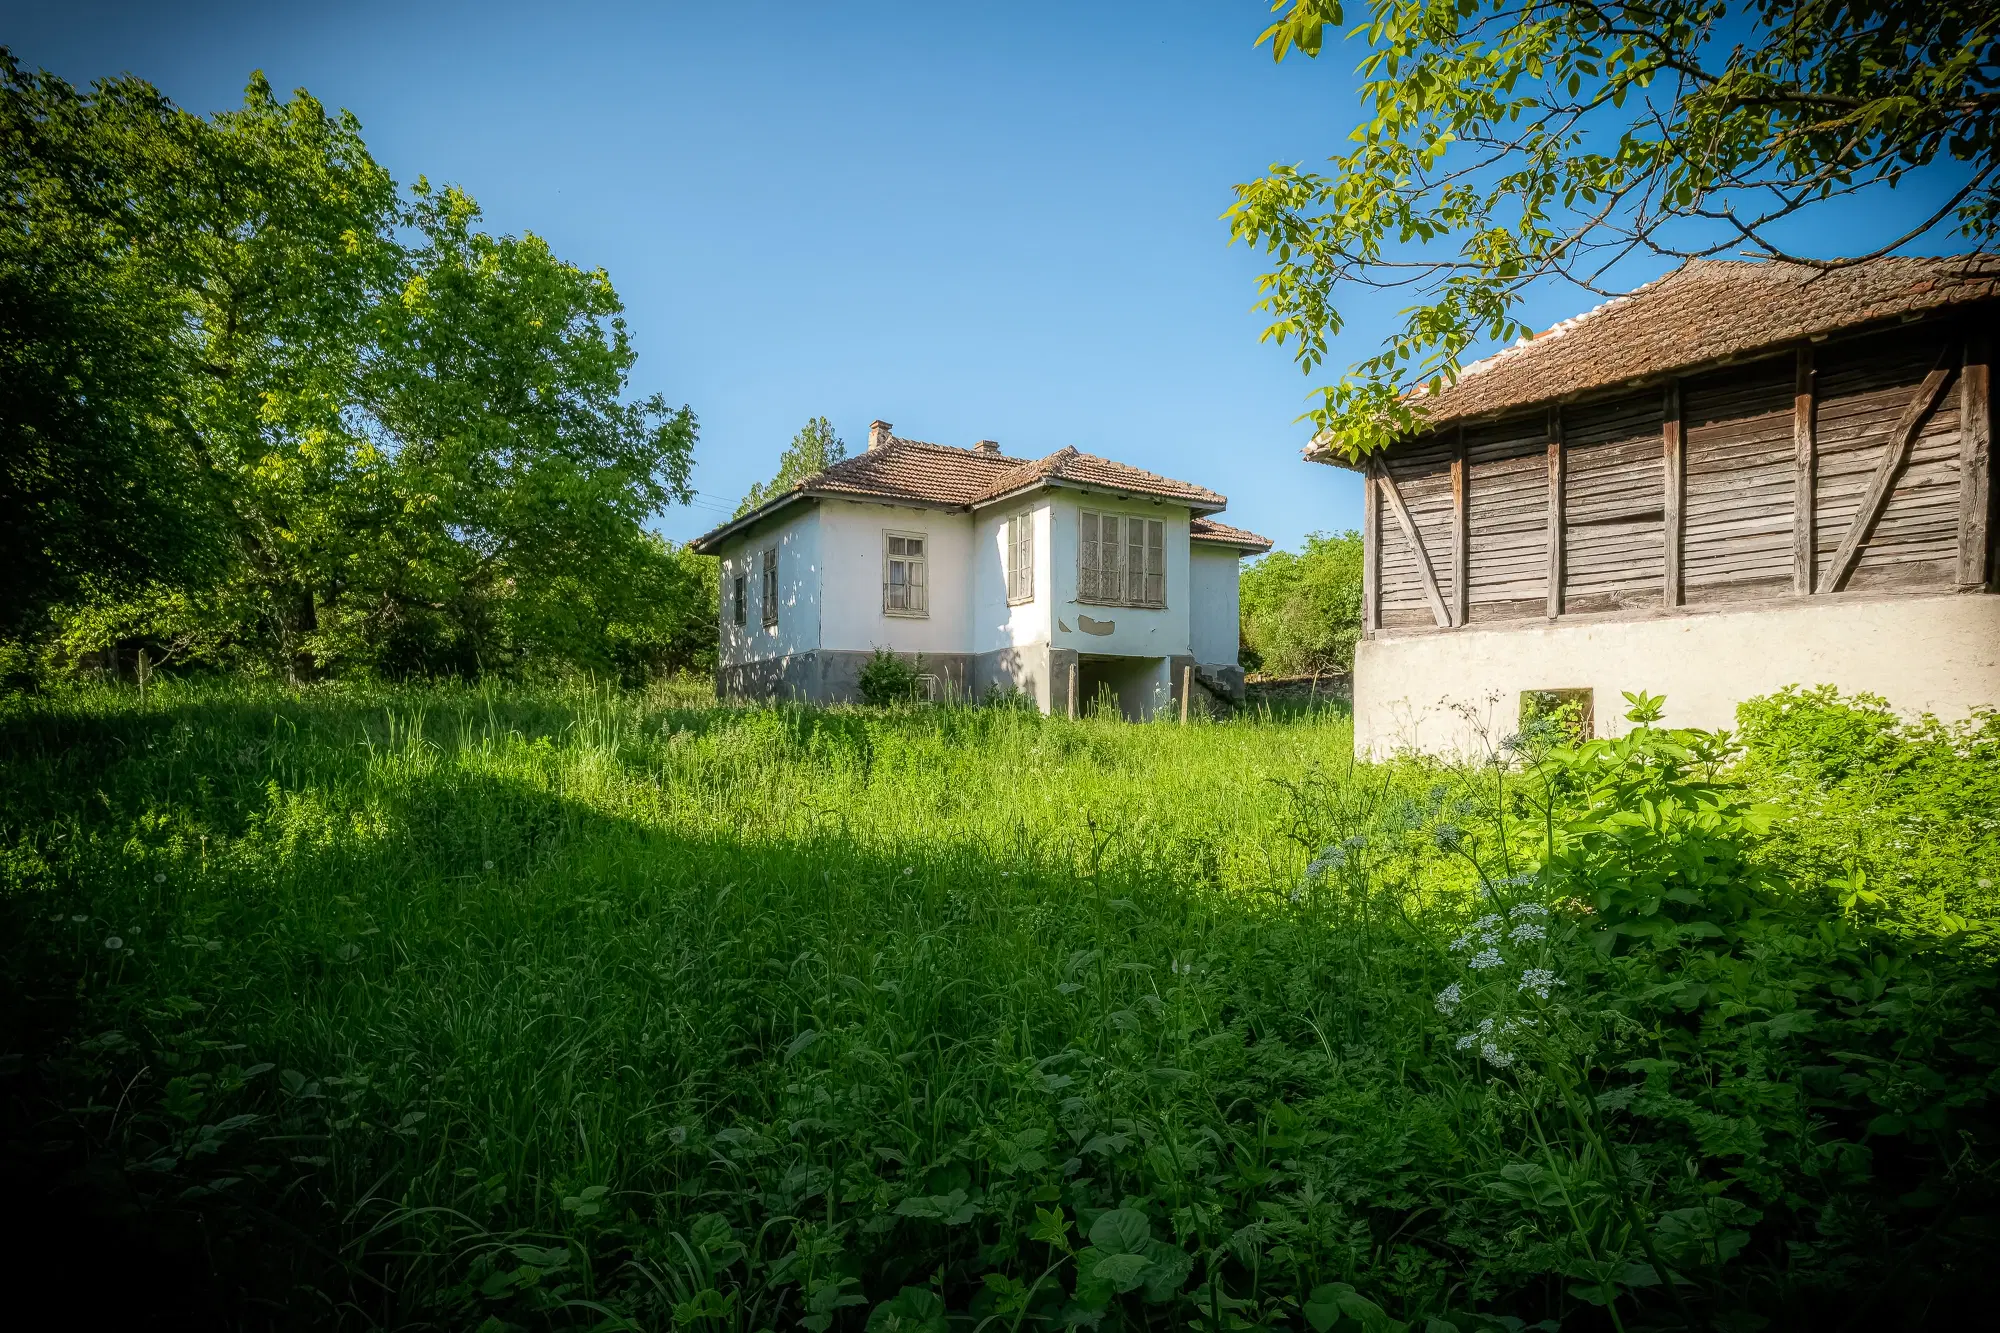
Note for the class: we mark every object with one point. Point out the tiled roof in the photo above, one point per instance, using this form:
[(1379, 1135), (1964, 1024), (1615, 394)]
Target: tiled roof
[(1706, 311), (915, 471), (1089, 470), (1208, 530)]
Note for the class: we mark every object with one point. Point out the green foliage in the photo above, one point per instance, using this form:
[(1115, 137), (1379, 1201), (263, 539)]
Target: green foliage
[(1302, 613), (1510, 142), (887, 678), (1902, 819), (94, 493), (453, 1006), (376, 440), (813, 450)]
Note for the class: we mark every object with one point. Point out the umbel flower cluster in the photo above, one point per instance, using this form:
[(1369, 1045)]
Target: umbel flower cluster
[(1490, 940)]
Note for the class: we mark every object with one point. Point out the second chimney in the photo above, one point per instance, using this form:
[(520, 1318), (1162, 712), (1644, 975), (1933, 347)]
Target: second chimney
[(878, 434), (986, 446)]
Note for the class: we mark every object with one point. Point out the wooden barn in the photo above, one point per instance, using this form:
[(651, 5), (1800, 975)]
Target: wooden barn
[(1739, 477)]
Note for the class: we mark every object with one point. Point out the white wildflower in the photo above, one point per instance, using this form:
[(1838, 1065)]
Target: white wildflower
[(1450, 998), (1467, 1042), (1528, 909), (1526, 932), (1494, 1056), (1489, 922), (489, 865), (1539, 980), (113, 943), (160, 878), (1484, 959), (1462, 942)]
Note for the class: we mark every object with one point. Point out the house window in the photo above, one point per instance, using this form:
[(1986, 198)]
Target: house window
[(769, 560), (905, 581), (1571, 714), (738, 595), (1122, 561), (1021, 558)]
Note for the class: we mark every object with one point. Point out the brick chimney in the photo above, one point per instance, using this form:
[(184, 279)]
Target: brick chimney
[(878, 433), (986, 446)]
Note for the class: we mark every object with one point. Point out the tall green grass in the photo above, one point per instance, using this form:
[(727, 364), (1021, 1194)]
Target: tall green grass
[(480, 1008)]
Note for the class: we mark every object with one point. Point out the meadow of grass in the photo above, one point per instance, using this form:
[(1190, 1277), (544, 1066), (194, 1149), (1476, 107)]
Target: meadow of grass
[(520, 1009)]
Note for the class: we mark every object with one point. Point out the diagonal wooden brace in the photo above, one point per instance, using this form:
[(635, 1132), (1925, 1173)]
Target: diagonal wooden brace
[(1884, 482), (1409, 527)]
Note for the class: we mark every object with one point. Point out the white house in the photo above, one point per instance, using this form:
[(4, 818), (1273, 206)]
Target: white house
[(1057, 577)]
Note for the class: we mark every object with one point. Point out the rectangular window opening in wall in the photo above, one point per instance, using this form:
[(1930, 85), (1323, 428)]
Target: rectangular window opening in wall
[(1121, 561), (1569, 712), (905, 577), (739, 594), (1021, 559), (769, 561)]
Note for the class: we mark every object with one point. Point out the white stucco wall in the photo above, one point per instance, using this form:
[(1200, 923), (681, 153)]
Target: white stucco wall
[(1936, 654), (995, 624), (797, 537), (1214, 616), (852, 547), (1137, 631)]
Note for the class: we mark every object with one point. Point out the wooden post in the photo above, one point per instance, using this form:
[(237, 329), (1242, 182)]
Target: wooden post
[(1556, 464), (1371, 554), (1075, 670), (1187, 691), (1975, 465), (1461, 535), (1805, 473), (1674, 465)]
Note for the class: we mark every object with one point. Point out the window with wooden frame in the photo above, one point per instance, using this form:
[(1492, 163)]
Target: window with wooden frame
[(905, 574), (1121, 560), (739, 595), (769, 561), (1020, 559)]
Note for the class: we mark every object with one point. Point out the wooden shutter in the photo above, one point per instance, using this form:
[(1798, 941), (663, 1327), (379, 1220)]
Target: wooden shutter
[(1156, 563), (1111, 551), (1089, 566)]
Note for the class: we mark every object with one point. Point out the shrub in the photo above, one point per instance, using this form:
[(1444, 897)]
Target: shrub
[(1901, 818), (888, 679)]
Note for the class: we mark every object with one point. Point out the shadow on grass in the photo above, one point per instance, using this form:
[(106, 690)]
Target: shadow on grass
[(545, 986)]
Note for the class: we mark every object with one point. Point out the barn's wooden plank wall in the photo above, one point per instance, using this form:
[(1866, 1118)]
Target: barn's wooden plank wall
[(1731, 485)]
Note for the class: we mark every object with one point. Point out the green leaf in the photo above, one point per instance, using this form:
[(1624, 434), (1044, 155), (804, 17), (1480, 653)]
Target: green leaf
[(1121, 1231)]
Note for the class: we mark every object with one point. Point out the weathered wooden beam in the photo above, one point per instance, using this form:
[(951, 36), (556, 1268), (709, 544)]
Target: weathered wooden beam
[(1805, 472), (1557, 461), (1975, 465), (1883, 483), (1461, 534), (1673, 506), (1394, 496), (1371, 553)]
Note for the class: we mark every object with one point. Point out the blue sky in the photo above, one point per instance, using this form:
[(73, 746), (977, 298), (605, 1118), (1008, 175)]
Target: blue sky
[(976, 222)]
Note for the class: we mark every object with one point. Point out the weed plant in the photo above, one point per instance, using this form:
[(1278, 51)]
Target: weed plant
[(469, 1009)]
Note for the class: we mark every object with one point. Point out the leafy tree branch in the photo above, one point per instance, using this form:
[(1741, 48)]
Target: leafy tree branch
[(1511, 142)]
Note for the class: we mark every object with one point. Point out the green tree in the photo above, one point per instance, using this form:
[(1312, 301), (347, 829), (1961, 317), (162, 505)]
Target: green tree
[(1302, 613), (96, 492), (814, 449), (407, 442), (1516, 140)]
